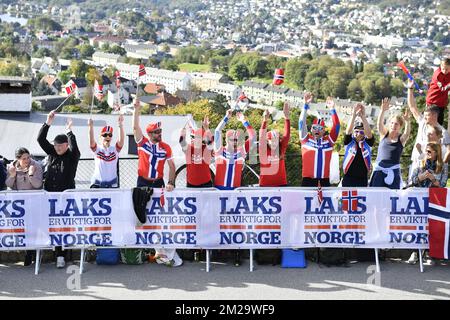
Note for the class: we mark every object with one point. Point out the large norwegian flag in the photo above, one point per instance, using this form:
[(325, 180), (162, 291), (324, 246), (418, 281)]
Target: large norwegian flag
[(439, 222), (98, 90)]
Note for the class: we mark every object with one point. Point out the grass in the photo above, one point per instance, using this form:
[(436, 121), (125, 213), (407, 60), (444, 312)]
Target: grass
[(192, 67)]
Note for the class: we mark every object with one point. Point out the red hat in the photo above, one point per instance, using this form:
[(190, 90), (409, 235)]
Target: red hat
[(319, 121), (107, 129), (153, 126), (278, 77)]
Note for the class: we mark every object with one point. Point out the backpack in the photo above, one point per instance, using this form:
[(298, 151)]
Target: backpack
[(268, 256), (108, 256), (132, 256), (331, 256)]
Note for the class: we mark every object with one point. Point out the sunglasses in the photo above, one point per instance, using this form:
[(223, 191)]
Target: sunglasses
[(107, 135), (156, 131), (430, 151), (359, 132), (317, 127)]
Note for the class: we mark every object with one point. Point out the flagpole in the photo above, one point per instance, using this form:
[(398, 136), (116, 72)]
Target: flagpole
[(93, 95), (56, 110)]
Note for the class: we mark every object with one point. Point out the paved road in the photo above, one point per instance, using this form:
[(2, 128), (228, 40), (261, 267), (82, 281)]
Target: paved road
[(150, 281)]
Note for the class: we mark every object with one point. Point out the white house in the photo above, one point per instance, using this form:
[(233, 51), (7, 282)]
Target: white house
[(105, 59), (230, 91), (205, 80), (15, 94)]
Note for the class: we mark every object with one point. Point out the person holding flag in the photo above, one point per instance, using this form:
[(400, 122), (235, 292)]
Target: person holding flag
[(272, 152), (62, 164), (439, 88), (317, 146), (152, 156), (106, 155)]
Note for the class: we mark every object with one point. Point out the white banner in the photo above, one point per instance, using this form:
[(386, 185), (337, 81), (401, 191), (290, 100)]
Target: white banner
[(208, 218)]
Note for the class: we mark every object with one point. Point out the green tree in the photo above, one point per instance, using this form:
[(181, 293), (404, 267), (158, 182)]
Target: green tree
[(239, 72), (78, 68), (10, 69), (64, 76), (354, 90), (86, 51)]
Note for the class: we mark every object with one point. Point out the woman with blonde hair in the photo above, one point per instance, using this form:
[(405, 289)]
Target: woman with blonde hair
[(432, 171), (387, 165)]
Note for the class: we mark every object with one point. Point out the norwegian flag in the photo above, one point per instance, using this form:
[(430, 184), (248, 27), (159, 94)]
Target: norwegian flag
[(439, 223), (162, 198), (319, 193), (117, 75), (278, 77), (142, 70), (98, 90), (350, 201), (70, 87)]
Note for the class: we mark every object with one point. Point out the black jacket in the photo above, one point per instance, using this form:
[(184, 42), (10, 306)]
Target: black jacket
[(60, 170)]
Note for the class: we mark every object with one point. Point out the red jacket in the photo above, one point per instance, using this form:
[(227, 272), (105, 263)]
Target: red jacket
[(438, 92)]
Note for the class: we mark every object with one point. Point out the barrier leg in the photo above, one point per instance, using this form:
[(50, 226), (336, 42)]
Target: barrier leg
[(207, 260), (37, 263), (420, 261), (251, 260), (377, 261), (82, 261)]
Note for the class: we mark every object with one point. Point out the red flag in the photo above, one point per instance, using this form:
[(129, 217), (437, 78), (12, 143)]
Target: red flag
[(70, 87), (241, 102), (142, 70), (278, 77), (162, 199)]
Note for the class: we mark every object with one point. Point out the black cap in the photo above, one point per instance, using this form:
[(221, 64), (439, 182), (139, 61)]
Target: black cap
[(61, 138)]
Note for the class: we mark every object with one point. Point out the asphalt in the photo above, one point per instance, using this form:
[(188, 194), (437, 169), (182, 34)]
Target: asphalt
[(398, 281)]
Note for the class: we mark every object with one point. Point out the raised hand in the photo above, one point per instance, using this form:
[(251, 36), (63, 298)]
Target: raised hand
[(229, 113), (50, 117), (205, 123), (90, 122), (385, 104), (266, 115), (286, 110), (410, 84), (240, 116), (69, 124), (308, 97), (120, 120), (137, 105)]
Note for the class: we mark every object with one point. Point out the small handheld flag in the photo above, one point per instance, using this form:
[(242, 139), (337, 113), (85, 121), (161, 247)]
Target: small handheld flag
[(401, 65), (278, 77), (162, 199), (98, 90), (70, 87), (142, 70)]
